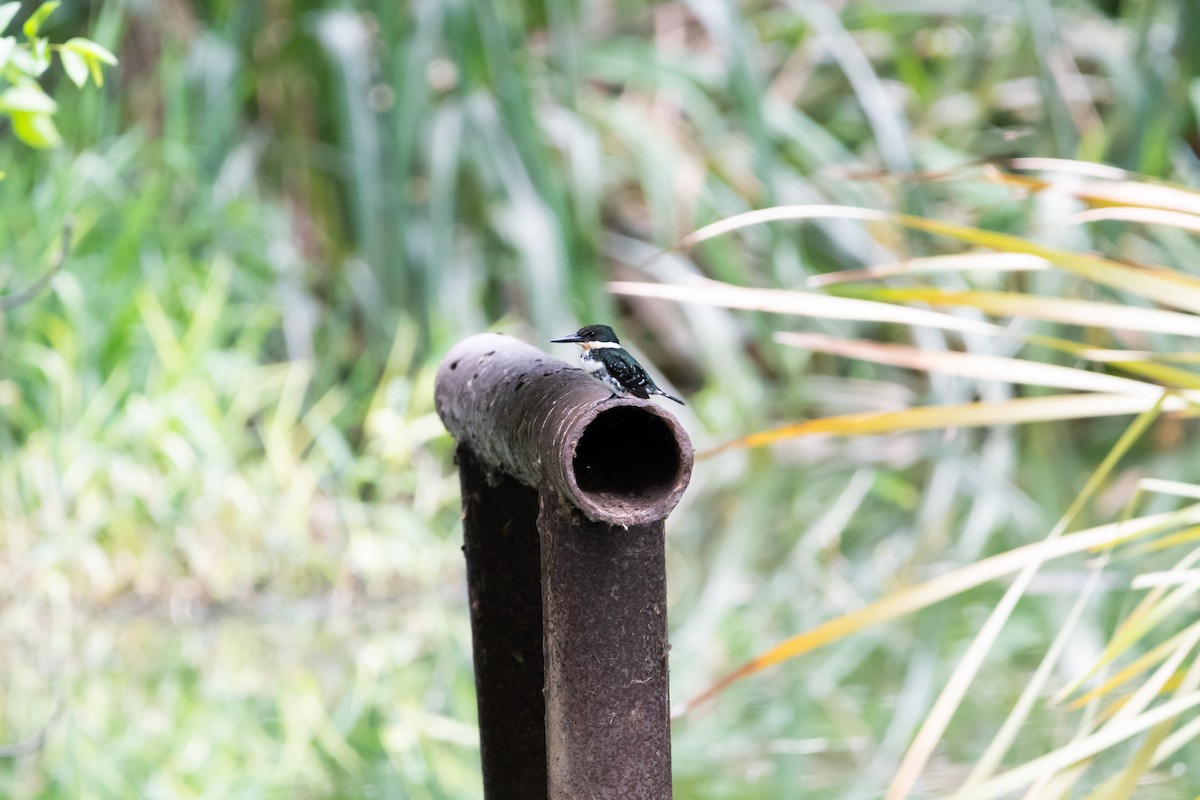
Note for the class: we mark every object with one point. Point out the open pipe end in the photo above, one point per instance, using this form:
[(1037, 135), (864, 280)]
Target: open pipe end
[(621, 461), (626, 462)]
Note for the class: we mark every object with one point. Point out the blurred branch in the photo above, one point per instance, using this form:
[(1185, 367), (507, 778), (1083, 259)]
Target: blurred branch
[(14, 299), (35, 742)]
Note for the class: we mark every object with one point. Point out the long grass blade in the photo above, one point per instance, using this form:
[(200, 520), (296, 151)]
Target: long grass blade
[(915, 598), (1077, 751), (1088, 313), (965, 415), (1113, 189), (1172, 289), (950, 698), (1148, 691), (1153, 750), (778, 301), (1135, 668), (971, 365), (1067, 166), (1156, 606), (1148, 216), (807, 304), (954, 262), (1129, 356)]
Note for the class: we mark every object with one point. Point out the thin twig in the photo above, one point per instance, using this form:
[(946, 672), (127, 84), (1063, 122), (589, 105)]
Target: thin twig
[(14, 299), (35, 742)]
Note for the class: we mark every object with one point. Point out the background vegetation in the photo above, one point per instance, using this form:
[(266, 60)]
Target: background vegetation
[(229, 542)]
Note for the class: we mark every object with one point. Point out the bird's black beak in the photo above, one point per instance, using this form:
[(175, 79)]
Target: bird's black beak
[(574, 338)]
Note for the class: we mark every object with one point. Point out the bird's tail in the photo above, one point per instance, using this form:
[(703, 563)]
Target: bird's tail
[(670, 397)]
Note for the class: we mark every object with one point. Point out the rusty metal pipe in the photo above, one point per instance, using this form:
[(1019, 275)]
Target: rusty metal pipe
[(571, 669), (526, 414)]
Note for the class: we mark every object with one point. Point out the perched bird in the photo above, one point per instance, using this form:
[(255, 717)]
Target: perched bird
[(612, 364)]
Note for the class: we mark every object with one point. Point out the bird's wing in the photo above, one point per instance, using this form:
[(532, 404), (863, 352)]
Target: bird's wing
[(631, 376)]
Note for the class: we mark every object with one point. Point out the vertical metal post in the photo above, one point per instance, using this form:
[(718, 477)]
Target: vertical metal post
[(604, 593), (505, 594), (564, 495)]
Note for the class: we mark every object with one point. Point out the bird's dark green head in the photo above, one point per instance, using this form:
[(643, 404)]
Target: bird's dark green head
[(590, 333)]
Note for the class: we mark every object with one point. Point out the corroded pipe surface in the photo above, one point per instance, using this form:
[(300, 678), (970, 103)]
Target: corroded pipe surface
[(504, 587), (568, 609), (524, 413), (604, 599)]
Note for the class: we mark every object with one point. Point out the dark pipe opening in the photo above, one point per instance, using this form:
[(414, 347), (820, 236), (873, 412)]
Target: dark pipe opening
[(628, 454)]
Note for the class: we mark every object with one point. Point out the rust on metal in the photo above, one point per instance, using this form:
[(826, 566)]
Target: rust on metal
[(565, 491), (524, 413), (505, 595)]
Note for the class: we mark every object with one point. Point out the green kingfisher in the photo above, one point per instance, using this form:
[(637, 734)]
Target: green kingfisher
[(612, 364)]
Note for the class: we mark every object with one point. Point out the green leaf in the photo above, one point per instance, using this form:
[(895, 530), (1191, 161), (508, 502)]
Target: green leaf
[(20, 62), (86, 47), (27, 98), (7, 45), (41, 56), (74, 65), (34, 23), (35, 130), (7, 12), (93, 56)]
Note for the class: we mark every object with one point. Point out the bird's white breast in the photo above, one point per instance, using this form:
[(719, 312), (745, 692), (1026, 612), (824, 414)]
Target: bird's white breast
[(591, 364)]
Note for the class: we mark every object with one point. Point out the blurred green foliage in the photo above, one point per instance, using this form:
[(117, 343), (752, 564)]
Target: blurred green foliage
[(229, 544), (30, 111)]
